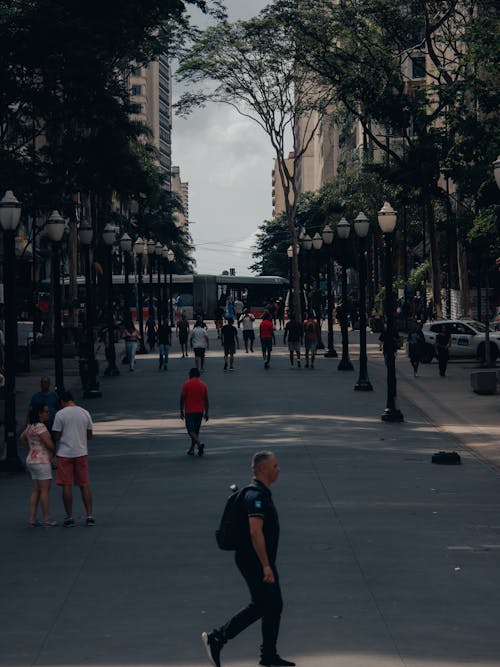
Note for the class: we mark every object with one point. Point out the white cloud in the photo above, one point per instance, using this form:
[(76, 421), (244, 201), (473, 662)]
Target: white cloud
[(227, 160)]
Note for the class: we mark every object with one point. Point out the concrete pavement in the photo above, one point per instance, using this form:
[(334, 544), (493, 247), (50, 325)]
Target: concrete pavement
[(385, 559)]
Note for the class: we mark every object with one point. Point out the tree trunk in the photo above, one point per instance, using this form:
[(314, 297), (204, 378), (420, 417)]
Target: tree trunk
[(434, 257), (463, 281)]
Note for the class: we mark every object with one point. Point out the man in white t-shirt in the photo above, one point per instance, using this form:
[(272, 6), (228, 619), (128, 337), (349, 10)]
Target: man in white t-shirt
[(199, 343), (71, 430)]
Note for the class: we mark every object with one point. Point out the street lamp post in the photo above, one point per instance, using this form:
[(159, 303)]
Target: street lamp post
[(362, 227), (289, 254), (10, 213), (91, 384), (139, 253), (151, 251), (170, 259), (158, 253), (307, 244), (109, 238), (126, 247), (343, 231), (327, 235), (387, 222), (55, 229)]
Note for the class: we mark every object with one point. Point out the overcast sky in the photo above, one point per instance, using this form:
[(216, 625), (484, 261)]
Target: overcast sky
[(227, 161)]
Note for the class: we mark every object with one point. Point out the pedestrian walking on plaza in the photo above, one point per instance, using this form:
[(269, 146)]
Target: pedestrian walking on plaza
[(312, 335), (132, 337), (151, 333), (219, 319), (71, 430), (238, 310), (229, 310), (247, 320), (416, 342), (267, 338), (255, 558), (182, 330), (293, 334), (199, 343), (46, 397), (442, 347), (193, 408), (41, 448), (164, 343), (230, 341), (281, 313)]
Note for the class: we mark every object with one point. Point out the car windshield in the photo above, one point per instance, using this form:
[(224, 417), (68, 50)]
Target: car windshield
[(478, 326)]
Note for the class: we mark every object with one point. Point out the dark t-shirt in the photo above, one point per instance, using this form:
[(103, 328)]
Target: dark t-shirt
[(258, 502), (293, 331), (229, 335), (442, 341), (183, 327), (165, 335)]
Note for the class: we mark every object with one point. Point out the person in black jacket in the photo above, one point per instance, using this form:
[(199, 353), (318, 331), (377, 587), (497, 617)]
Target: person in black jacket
[(256, 560)]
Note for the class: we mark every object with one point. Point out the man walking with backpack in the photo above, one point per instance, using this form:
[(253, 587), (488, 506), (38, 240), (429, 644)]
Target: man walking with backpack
[(255, 558)]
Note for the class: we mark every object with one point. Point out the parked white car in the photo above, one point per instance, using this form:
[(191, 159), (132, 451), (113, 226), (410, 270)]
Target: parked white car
[(467, 339)]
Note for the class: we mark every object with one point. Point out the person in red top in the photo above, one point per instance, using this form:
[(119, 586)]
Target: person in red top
[(194, 406), (267, 337)]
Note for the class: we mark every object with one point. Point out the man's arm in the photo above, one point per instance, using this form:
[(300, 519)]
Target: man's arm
[(181, 406), (56, 435), (89, 433), (206, 407), (259, 544)]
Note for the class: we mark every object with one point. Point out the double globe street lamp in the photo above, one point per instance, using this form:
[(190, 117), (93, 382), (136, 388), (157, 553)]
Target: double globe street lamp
[(139, 246), (343, 231), (362, 227), (54, 228), (10, 214), (89, 376), (125, 244), (327, 235), (109, 238), (387, 222)]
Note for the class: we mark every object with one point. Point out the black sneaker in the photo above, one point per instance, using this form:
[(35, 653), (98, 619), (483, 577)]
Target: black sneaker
[(190, 451), (277, 661), (69, 522), (90, 521), (213, 647), (201, 449)]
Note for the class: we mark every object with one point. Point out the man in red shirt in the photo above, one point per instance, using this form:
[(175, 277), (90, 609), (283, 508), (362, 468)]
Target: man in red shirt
[(194, 406), (267, 337)]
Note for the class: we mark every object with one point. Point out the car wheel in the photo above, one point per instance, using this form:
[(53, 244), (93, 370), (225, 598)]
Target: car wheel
[(481, 350), (427, 354)]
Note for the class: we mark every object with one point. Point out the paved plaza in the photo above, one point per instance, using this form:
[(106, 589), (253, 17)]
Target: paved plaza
[(386, 560)]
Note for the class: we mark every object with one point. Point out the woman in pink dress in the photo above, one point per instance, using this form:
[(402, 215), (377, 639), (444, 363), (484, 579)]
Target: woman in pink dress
[(41, 447)]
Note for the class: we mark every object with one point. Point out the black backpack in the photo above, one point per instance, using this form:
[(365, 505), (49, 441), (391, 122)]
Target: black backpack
[(233, 522)]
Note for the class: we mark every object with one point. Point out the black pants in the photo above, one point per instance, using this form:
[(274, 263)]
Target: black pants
[(442, 360), (266, 604)]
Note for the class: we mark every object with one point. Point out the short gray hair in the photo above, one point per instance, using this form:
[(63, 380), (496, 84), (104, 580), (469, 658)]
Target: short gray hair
[(259, 458)]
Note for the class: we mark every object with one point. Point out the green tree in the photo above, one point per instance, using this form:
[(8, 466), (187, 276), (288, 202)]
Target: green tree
[(366, 51), (253, 66)]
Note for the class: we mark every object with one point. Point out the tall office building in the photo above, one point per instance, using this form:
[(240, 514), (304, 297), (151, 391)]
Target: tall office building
[(181, 189), (151, 93)]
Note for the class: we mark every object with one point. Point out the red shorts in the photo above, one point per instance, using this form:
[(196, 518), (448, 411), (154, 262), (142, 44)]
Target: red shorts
[(75, 468)]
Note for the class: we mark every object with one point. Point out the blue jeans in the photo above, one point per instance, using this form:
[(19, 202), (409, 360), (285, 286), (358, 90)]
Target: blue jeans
[(164, 349), (131, 346)]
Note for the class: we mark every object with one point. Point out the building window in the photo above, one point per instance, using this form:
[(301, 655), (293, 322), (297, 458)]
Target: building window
[(418, 67), (136, 91)]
